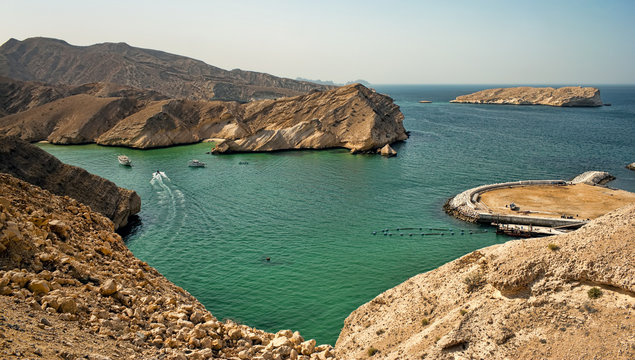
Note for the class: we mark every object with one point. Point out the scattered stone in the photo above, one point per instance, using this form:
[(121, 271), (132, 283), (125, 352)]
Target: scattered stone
[(108, 288)]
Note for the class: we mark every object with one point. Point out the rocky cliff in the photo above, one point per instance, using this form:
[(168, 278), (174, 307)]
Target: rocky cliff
[(352, 117), (570, 296), (70, 289), (564, 96), (36, 166), (57, 62)]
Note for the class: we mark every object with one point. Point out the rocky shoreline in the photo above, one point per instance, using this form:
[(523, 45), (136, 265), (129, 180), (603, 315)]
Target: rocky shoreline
[(36, 166), (566, 296), (565, 96), (65, 275)]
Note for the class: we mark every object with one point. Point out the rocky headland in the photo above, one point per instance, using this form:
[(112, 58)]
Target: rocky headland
[(57, 62), (564, 96), (569, 296), (70, 289), (36, 166), (352, 117)]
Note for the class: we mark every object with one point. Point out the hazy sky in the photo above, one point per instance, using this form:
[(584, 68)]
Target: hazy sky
[(422, 42)]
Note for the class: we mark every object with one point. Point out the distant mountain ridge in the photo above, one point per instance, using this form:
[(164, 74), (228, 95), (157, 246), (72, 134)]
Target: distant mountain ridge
[(55, 61)]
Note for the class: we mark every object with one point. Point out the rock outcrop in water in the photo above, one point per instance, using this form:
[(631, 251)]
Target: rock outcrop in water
[(567, 296), (564, 96), (36, 166), (70, 289), (57, 62), (352, 117)]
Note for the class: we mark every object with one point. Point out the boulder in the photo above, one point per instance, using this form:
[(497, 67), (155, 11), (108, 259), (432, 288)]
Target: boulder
[(108, 288), (631, 166), (388, 151), (39, 287)]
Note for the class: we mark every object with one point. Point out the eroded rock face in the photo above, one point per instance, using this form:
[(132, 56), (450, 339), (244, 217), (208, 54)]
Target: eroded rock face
[(564, 96), (89, 293), (524, 299), (57, 62), (36, 166), (352, 117)]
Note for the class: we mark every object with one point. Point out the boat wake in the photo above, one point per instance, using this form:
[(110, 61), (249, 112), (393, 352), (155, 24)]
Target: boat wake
[(171, 199)]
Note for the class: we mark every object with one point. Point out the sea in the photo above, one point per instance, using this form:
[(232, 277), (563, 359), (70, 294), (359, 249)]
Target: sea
[(299, 239)]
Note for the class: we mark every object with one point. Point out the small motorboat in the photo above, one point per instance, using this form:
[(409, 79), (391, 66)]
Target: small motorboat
[(196, 163), (124, 160)]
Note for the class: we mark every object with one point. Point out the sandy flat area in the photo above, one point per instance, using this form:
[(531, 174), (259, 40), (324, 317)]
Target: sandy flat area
[(581, 201)]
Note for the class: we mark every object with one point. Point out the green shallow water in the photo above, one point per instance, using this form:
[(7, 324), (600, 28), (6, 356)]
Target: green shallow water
[(210, 230)]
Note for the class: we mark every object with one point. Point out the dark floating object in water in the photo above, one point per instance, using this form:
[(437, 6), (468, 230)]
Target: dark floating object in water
[(243, 163), (268, 259), (607, 104), (411, 234), (374, 232)]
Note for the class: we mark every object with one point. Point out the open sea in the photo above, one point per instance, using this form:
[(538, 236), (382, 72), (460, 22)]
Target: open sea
[(313, 213)]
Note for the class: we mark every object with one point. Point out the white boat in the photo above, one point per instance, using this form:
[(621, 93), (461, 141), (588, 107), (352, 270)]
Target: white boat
[(124, 160), (196, 163)]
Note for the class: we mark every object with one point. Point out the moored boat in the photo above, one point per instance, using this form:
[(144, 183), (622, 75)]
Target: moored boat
[(196, 163), (124, 160)]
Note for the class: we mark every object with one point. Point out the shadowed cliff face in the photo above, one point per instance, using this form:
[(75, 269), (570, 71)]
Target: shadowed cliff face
[(352, 117), (57, 62), (564, 96), (525, 299), (36, 166)]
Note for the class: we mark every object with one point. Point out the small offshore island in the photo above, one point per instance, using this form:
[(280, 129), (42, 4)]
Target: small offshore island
[(568, 96)]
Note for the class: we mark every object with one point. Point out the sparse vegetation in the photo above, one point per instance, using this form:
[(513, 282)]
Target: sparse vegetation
[(371, 351), (463, 312), (553, 247), (474, 281), (594, 293), (380, 331), (425, 322)]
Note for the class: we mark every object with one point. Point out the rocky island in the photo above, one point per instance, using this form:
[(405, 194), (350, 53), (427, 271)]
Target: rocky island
[(564, 96)]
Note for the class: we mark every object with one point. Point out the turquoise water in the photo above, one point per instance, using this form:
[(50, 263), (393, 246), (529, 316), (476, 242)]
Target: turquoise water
[(312, 213)]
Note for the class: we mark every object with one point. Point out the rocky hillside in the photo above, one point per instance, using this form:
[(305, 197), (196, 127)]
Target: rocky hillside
[(36, 166), (70, 289), (352, 117), (564, 297), (57, 62), (564, 96)]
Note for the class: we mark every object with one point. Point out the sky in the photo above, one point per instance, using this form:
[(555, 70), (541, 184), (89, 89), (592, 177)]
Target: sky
[(565, 42)]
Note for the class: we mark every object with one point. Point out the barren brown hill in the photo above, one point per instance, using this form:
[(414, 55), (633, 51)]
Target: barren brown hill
[(564, 96), (57, 62), (36, 166), (563, 297), (352, 117), (70, 289)]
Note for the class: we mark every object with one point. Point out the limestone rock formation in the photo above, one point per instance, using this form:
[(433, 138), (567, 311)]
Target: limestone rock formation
[(352, 117), (593, 178), (57, 62), (86, 296), (36, 166), (564, 96), (567, 296), (631, 166), (388, 151)]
